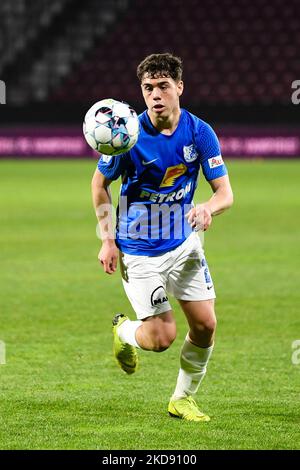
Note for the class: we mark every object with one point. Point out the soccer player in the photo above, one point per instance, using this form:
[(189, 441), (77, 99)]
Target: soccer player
[(156, 232)]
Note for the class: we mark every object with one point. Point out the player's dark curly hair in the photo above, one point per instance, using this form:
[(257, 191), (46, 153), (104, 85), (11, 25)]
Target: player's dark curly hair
[(161, 65)]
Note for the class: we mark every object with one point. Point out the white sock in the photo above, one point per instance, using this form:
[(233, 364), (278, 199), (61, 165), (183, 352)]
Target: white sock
[(193, 362), (127, 330)]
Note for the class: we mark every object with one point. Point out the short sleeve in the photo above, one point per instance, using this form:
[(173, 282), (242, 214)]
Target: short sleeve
[(113, 167), (209, 148)]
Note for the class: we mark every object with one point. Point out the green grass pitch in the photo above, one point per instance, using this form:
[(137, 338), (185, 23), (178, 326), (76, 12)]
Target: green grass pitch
[(60, 386)]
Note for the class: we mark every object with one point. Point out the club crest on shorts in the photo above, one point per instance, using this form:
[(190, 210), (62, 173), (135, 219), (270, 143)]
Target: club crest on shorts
[(189, 152)]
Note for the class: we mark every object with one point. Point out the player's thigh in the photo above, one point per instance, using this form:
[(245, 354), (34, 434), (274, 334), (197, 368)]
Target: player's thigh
[(145, 287), (190, 279)]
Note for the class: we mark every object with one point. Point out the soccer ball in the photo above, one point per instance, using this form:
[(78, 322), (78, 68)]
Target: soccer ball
[(111, 127)]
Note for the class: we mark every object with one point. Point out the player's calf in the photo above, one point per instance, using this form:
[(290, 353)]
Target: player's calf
[(157, 333), (161, 343)]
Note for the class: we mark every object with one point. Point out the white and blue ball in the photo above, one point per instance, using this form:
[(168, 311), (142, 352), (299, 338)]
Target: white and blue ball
[(111, 127)]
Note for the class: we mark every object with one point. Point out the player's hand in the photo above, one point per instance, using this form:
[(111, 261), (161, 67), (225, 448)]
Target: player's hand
[(199, 217), (108, 256)]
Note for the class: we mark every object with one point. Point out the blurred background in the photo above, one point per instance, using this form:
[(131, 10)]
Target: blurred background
[(57, 57)]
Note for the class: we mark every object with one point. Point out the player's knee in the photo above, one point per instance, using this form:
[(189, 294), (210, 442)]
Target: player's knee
[(210, 325), (206, 327)]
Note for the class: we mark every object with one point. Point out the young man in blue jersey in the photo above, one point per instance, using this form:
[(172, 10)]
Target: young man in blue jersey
[(156, 233)]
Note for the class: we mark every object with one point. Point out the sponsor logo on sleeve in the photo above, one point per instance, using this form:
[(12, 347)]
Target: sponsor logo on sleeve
[(215, 161)]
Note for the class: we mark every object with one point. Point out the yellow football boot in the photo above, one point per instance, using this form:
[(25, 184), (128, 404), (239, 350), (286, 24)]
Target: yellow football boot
[(125, 354), (186, 408)]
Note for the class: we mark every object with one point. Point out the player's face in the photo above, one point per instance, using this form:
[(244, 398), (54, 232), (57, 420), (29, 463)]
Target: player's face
[(161, 95)]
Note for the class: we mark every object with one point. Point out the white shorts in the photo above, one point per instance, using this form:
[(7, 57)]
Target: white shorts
[(182, 272)]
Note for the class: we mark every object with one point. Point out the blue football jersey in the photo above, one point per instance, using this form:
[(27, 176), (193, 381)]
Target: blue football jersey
[(159, 178)]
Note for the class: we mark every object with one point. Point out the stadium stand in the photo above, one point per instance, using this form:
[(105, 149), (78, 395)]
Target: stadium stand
[(21, 22), (68, 52), (234, 52), (53, 36)]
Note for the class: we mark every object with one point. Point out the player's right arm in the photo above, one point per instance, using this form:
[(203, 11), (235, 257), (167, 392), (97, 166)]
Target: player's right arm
[(108, 254)]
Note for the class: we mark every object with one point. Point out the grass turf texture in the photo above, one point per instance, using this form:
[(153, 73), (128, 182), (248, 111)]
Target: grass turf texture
[(61, 388)]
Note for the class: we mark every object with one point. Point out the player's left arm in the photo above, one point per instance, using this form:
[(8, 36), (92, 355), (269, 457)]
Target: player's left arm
[(200, 216), (222, 197), (215, 172)]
